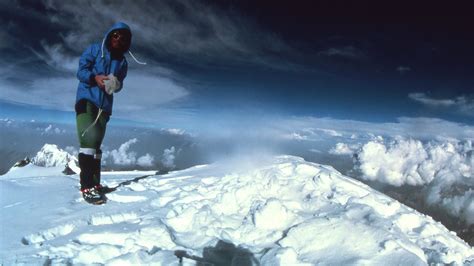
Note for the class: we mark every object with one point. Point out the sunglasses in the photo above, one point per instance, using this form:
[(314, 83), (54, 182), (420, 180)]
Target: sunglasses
[(120, 36)]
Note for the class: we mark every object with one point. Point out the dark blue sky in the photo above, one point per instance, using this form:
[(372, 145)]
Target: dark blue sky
[(241, 59)]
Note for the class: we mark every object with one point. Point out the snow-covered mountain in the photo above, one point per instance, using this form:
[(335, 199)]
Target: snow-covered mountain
[(273, 211), (50, 156)]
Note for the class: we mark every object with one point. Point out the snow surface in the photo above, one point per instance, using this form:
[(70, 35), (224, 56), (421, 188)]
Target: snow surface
[(276, 211)]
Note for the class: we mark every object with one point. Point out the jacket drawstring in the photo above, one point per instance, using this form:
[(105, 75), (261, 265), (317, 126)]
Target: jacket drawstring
[(102, 47), (93, 124), (136, 60), (130, 52)]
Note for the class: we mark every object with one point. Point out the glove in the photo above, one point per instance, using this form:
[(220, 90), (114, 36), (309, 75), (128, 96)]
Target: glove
[(112, 84)]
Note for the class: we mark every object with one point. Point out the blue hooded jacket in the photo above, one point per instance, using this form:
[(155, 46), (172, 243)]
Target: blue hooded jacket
[(96, 60)]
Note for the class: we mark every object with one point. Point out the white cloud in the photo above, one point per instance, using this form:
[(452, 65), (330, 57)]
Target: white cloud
[(396, 164), (151, 86), (169, 155), (437, 166), (142, 93), (463, 104), (311, 134), (425, 99), (146, 160), (146, 93), (297, 136), (185, 29), (343, 149), (56, 57), (51, 93), (50, 130), (7, 121), (175, 131), (417, 127), (460, 206), (147, 88), (123, 156), (466, 104), (330, 132)]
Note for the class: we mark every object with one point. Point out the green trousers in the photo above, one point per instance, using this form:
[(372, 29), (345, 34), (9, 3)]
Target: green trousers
[(86, 113), (90, 139)]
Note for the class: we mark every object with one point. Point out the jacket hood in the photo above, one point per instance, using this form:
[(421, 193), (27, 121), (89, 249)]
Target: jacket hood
[(116, 26), (119, 26)]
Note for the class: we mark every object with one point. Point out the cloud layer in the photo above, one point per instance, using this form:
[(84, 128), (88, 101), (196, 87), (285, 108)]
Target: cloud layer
[(165, 34), (441, 168), (462, 104), (313, 128), (182, 29)]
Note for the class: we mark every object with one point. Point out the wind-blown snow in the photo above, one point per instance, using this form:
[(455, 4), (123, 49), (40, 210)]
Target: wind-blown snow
[(278, 211)]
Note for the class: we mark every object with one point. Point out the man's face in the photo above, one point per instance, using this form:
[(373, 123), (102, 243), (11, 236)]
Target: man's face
[(119, 40)]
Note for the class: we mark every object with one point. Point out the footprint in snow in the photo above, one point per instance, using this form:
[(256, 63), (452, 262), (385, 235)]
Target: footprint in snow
[(101, 219), (125, 198), (48, 234)]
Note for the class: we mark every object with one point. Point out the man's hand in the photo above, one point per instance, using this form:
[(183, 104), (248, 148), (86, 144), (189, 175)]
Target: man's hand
[(99, 79)]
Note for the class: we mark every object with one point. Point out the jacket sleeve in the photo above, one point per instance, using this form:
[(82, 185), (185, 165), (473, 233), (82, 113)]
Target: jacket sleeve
[(122, 76), (86, 64)]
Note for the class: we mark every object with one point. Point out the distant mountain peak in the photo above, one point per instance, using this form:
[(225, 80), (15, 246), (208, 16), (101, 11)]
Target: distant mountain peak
[(50, 156)]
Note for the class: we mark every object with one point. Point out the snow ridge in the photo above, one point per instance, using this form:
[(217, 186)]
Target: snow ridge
[(282, 211)]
